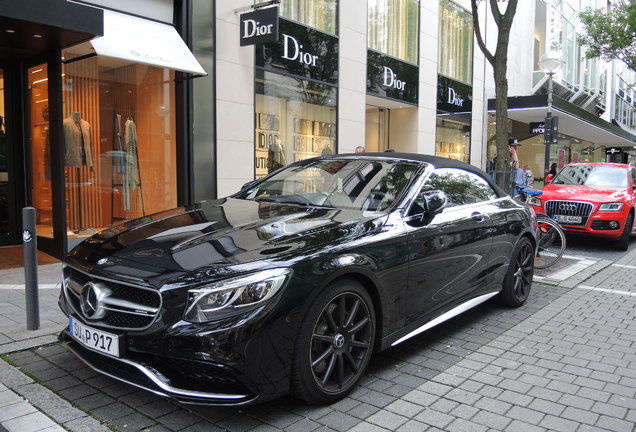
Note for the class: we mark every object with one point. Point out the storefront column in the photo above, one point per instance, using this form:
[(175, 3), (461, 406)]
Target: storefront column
[(353, 65), (234, 101), (427, 112)]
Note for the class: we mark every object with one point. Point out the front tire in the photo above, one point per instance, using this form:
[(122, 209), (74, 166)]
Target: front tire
[(518, 279), (623, 242), (334, 345)]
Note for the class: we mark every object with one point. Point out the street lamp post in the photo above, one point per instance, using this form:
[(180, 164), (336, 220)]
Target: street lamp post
[(550, 63)]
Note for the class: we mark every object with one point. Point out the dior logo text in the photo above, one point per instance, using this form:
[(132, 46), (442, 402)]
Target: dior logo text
[(453, 99), (390, 79), (292, 51), (253, 28)]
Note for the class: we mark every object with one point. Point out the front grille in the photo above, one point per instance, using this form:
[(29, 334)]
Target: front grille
[(570, 208), (121, 306)]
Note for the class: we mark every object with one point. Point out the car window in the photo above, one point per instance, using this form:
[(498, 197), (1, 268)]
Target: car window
[(461, 187), (592, 175), (633, 177), (369, 185)]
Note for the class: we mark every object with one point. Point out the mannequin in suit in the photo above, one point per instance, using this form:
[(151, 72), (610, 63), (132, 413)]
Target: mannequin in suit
[(78, 142)]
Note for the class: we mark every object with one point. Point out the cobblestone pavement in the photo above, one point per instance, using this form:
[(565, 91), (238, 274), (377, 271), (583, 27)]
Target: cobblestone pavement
[(565, 361)]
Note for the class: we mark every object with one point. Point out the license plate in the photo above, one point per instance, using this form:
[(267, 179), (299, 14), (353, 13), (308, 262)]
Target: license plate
[(568, 219), (97, 340)]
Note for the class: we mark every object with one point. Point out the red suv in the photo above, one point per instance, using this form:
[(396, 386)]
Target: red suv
[(596, 199)]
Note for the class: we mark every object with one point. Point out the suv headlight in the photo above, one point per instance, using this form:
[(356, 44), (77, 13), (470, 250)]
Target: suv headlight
[(231, 295), (613, 207), (534, 201)]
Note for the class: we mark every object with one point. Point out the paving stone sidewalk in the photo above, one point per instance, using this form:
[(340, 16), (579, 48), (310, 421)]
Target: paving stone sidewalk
[(566, 361)]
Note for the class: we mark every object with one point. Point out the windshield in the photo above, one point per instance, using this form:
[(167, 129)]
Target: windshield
[(371, 185), (593, 175)]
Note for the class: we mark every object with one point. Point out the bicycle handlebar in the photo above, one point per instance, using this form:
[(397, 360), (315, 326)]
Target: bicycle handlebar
[(532, 192)]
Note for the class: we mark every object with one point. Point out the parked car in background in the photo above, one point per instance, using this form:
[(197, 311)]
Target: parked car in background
[(291, 284), (595, 199)]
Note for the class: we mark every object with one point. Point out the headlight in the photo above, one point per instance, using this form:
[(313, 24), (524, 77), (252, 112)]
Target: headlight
[(220, 298), (534, 201), (613, 207)]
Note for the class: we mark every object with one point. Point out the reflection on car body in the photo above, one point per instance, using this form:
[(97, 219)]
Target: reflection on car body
[(291, 284)]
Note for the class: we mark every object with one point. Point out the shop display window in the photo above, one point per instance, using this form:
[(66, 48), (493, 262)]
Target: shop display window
[(319, 14), (455, 53), (393, 28), (295, 120), (40, 149), (452, 139), (119, 141)]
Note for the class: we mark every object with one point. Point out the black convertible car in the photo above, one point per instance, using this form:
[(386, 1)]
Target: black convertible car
[(291, 284)]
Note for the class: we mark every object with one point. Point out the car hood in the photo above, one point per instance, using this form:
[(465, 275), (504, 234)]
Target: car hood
[(220, 233), (594, 194)]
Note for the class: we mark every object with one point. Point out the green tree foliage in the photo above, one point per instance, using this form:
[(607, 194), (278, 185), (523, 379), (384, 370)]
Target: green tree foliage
[(611, 35)]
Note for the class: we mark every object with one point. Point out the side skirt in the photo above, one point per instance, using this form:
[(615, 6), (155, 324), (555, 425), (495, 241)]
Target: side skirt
[(447, 315)]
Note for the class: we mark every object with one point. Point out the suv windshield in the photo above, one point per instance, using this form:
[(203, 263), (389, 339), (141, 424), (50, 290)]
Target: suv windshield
[(593, 175), (358, 184)]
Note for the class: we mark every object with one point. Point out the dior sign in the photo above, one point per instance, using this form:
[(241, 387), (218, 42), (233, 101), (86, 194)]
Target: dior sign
[(259, 26), (453, 96), (391, 79), (292, 50), (454, 99)]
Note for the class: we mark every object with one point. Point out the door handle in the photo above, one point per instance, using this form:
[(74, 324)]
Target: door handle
[(478, 217)]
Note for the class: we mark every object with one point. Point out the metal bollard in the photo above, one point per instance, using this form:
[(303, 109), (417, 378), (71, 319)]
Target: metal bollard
[(29, 241)]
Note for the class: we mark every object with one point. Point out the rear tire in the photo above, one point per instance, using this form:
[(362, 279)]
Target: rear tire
[(518, 279), (623, 242), (334, 344)]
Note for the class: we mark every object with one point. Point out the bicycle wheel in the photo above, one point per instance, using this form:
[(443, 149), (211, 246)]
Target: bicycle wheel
[(551, 243)]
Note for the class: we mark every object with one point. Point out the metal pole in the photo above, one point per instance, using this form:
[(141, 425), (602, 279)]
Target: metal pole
[(29, 241), (547, 133)]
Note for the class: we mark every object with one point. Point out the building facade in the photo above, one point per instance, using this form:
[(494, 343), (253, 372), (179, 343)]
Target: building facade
[(132, 108)]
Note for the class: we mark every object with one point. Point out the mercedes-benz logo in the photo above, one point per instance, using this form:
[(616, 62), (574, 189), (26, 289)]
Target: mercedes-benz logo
[(338, 341), (567, 207), (91, 300)]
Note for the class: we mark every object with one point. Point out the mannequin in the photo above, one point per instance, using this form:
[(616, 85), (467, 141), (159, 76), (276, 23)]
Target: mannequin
[(276, 155), (78, 152), (78, 142)]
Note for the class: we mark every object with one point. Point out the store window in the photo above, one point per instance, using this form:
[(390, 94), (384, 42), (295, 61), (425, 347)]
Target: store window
[(453, 139), (320, 14), (455, 49), (295, 120), (119, 138), (394, 28), (40, 149)]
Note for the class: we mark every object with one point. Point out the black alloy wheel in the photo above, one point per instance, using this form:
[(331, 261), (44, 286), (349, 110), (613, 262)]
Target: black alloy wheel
[(518, 280), (335, 344)]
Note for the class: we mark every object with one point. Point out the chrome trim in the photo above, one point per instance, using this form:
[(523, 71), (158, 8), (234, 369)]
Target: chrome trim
[(169, 390), (448, 315), (71, 287)]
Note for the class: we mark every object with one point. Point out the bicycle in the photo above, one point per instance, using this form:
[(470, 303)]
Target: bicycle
[(552, 241)]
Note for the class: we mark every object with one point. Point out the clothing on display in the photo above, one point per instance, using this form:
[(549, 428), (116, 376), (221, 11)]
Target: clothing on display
[(276, 156), (78, 142), (131, 171)]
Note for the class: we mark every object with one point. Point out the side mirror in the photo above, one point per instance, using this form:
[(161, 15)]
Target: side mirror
[(434, 202)]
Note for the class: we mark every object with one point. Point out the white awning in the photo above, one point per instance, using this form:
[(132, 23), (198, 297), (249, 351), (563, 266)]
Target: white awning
[(143, 41)]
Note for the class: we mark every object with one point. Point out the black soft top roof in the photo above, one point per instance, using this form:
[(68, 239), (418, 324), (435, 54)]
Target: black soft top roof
[(436, 161)]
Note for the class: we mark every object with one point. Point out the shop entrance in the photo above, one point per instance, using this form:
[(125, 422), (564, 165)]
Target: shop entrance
[(377, 129)]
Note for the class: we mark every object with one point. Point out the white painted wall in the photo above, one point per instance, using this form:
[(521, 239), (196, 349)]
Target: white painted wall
[(234, 101), (352, 74)]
